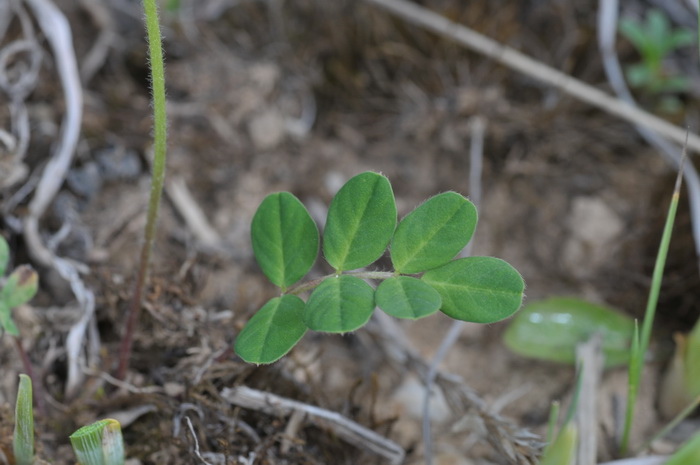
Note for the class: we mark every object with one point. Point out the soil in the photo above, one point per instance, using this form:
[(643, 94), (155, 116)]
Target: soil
[(300, 96)]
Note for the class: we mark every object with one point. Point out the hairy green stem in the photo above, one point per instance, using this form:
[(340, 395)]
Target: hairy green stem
[(157, 177)]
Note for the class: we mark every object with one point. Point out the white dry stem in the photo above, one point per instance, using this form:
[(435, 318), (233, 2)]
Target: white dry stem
[(607, 28), (476, 156), (196, 441), (589, 357), (344, 428), (57, 31), (194, 216)]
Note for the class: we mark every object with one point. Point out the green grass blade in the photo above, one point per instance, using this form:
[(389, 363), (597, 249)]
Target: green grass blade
[(23, 439), (636, 362), (552, 422)]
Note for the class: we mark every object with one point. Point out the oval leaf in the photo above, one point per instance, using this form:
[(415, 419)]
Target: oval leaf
[(432, 234), (477, 289), (339, 305), (285, 239), (567, 322), (361, 221), (407, 297), (273, 330)]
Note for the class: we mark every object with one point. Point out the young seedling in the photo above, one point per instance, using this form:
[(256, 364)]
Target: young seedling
[(23, 439), (361, 224), (19, 288), (100, 443), (655, 39), (157, 178)]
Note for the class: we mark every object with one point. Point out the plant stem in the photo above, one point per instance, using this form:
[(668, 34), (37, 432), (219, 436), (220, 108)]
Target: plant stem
[(309, 285), (38, 389), (157, 178)]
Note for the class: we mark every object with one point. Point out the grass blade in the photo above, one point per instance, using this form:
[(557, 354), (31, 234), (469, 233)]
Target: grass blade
[(636, 362)]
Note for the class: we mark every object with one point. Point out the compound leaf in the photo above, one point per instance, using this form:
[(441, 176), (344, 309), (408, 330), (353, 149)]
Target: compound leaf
[(568, 322), (407, 297), (285, 238), (477, 289), (432, 234), (339, 305), (273, 330), (361, 221)]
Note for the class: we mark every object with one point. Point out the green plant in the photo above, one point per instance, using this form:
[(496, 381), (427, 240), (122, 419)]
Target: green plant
[(361, 224), (655, 39), (157, 177), (23, 438), (19, 288), (100, 443)]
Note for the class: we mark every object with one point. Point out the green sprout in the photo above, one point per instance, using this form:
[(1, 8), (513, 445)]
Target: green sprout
[(23, 439), (655, 39), (361, 224), (100, 443)]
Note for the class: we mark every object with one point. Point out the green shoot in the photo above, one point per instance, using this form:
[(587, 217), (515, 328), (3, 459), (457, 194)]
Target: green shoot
[(641, 343), (552, 422), (361, 224), (100, 443), (23, 439), (563, 450), (157, 178)]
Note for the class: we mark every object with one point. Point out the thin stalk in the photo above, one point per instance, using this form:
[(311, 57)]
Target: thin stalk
[(157, 178), (314, 283), (636, 362)]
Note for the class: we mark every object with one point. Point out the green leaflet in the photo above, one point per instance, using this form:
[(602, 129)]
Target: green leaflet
[(567, 322), (361, 221), (285, 239), (407, 297), (273, 330), (339, 305), (477, 289), (432, 234), (6, 321)]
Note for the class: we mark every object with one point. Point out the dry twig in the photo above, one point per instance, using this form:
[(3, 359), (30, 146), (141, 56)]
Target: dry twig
[(347, 430)]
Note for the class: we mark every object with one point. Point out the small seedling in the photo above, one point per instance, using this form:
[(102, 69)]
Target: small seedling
[(23, 439), (19, 288), (361, 224), (567, 322), (655, 39), (100, 443)]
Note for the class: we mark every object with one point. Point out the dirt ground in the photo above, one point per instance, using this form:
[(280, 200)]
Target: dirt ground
[(300, 96)]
